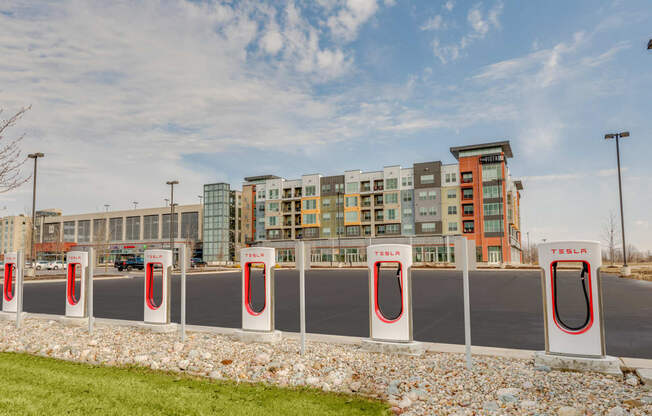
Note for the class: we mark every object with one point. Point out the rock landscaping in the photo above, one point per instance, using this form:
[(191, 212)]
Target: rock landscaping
[(432, 384)]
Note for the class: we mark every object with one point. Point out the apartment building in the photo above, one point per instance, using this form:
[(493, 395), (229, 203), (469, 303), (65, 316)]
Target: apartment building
[(420, 205), (15, 234), (490, 201), (114, 233)]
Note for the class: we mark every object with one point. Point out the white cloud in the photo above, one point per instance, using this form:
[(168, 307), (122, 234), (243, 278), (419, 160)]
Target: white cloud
[(480, 25), (272, 42), (449, 5), (434, 23), (345, 24)]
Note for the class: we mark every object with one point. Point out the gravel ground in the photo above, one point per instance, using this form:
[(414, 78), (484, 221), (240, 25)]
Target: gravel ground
[(434, 384)]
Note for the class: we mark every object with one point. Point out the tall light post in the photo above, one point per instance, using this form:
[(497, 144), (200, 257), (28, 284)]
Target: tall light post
[(172, 183), (106, 207), (34, 156), (167, 202), (649, 44), (626, 271), (201, 197), (135, 204)]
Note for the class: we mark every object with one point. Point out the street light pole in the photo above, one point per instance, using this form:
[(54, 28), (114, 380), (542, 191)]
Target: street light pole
[(617, 136), (34, 156), (135, 204), (167, 201), (172, 183)]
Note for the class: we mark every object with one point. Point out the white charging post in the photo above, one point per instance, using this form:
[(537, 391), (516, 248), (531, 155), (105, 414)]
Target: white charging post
[(390, 333), (76, 295), (157, 314), (573, 341), (465, 261), (258, 321)]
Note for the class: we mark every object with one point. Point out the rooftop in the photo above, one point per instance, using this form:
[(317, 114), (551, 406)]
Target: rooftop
[(507, 149), (260, 178)]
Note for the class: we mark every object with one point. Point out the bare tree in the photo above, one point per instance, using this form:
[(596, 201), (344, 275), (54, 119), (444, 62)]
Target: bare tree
[(610, 235), (11, 156)]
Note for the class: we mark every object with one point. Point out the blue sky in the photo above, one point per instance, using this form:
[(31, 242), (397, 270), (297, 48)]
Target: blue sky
[(126, 95)]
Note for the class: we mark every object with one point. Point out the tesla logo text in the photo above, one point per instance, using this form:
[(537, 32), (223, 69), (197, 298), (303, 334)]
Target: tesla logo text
[(388, 253), (254, 255), (570, 251), (75, 257), (154, 256)]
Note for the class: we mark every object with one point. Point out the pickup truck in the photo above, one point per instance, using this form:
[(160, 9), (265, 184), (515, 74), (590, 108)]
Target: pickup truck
[(129, 264)]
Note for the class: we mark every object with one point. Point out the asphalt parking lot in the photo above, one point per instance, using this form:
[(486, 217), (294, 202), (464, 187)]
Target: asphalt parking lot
[(506, 307)]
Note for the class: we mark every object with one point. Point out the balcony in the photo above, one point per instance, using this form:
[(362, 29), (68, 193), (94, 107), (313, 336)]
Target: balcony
[(297, 192), (287, 193), (467, 177), (365, 187), (366, 203), (379, 218), (378, 188)]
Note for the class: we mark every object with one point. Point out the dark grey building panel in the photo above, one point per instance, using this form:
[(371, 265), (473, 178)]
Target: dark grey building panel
[(423, 172), (330, 181)]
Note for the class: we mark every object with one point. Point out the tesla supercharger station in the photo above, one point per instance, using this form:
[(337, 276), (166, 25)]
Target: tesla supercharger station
[(10, 282), (390, 328), (157, 312), (76, 261), (257, 316), (577, 341)]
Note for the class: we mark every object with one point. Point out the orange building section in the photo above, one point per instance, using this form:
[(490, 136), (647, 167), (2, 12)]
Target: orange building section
[(472, 164)]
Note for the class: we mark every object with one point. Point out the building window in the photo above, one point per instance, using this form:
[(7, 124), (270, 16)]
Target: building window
[(310, 219), (452, 194), (432, 194), (407, 212), (273, 194), (339, 187), (423, 211), (326, 216), (428, 227), (353, 230), (391, 198), (407, 196), (407, 180), (99, 230), (467, 177), (84, 231), (273, 234), (339, 215), (340, 229), (452, 210), (326, 231), (309, 204), (351, 201), (407, 228), (391, 183), (468, 226), (393, 228), (467, 209), (493, 226), (352, 216), (493, 209), (326, 188), (326, 202), (352, 187), (274, 206), (272, 221), (380, 230), (423, 195), (390, 214), (452, 226), (492, 172), (311, 190), (432, 211), (133, 228), (467, 193), (167, 226), (451, 177), (69, 231), (492, 191), (427, 179), (115, 229), (150, 227)]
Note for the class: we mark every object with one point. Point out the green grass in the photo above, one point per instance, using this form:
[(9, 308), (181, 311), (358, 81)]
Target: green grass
[(31, 385)]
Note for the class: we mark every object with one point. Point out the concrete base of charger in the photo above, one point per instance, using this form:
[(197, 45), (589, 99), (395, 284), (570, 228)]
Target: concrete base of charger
[(73, 321), (391, 347), (607, 365), (263, 337), (11, 316), (161, 328)]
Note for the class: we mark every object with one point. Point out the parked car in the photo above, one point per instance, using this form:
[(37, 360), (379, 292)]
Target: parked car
[(197, 262), (42, 265), (129, 264), (57, 265)]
